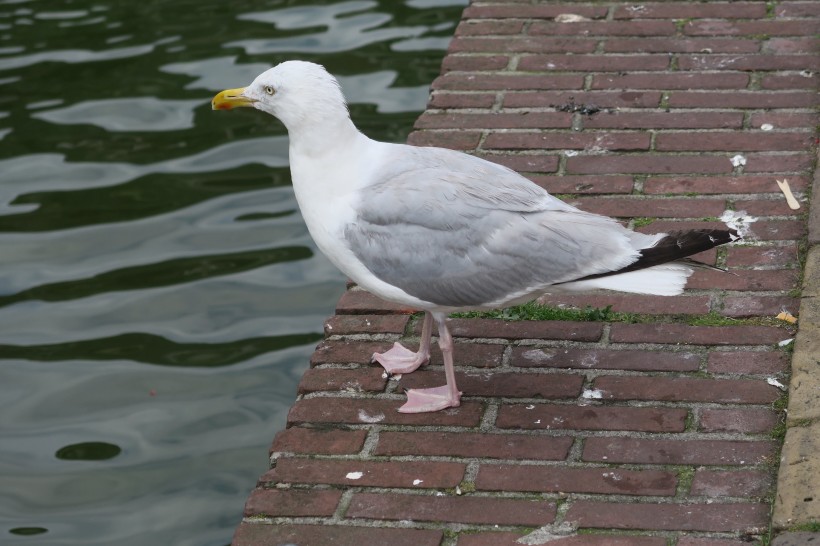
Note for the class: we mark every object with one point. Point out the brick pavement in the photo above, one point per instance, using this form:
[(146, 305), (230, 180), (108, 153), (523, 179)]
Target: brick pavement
[(657, 428)]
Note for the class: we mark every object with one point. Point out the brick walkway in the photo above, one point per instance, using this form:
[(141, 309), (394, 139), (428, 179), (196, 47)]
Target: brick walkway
[(658, 428)]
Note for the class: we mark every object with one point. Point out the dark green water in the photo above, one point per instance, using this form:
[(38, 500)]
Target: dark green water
[(159, 293)]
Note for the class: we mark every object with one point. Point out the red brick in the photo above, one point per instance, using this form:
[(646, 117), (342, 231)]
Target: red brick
[(745, 421), (468, 444), (757, 306), (762, 230), (648, 164), (675, 80), (506, 82), (584, 184), (669, 517), (600, 99), (789, 81), (593, 63), (564, 140), (320, 441), (680, 45), (524, 44), (260, 534), (732, 483), (797, 9), (366, 324), (524, 163), (522, 120), (361, 302), (732, 141), (468, 63), (760, 206), (666, 120), (761, 255), (477, 510), (346, 351), (604, 359), (747, 62), (630, 207), (745, 362), (435, 474), (489, 28), (359, 411), (292, 502), (692, 541), (745, 183), (786, 46), (785, 120), (512, 539), (695, 335), (678, 305), (541, 11), (604, 28), (745, 28), (698, 452), (500, 384), (744, 280), (527, 329), (741, 99), (552, 479), (712, 10), (447, 100), (560, 417), (336, 379), (455, 140), (781, 163), (685, 389)]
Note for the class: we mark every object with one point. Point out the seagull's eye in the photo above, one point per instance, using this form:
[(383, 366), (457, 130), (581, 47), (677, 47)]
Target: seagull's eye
[(269, 90)]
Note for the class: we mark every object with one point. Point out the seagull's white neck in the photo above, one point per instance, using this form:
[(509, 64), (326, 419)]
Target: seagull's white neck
[(315, 136)]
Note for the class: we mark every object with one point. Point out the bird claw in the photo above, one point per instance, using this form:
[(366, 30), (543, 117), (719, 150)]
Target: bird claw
[(400, 359), (427, 400)]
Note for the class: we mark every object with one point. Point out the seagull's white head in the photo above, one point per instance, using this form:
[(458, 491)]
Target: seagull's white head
[(297, 92)]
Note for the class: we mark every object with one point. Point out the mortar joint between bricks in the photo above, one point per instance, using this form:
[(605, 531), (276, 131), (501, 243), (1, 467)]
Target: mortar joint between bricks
[(489, 418), (344, 504), (512, 66), (370, 441)]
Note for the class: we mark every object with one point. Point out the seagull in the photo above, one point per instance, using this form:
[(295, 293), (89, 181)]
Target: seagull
[(444, 231)]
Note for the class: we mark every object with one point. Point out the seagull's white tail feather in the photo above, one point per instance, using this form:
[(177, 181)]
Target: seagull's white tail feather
[(661, 280)]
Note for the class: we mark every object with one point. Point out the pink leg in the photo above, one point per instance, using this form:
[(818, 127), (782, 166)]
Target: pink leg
[(437, 398), (402, 360)]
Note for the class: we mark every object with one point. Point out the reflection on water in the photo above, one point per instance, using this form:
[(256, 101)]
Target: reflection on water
[(159, 293)]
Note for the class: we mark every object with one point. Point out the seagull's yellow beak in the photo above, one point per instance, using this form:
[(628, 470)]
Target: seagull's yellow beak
[(231, 98)]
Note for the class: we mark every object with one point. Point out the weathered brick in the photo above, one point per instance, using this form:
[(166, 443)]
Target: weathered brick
[(528, 329), (561, 417), (477, 510), (786, 46), (435, 474), (604, 359), (524, 163), (761, 255), (685, 389), (689, 451), (320, 441), (500, 384), (770, 27), (552, 479), (746, 280), (455, 140), (523, 120), (604, 28), (797, 9), (747, 362), (452, 100), (361, 302), (540, 11), (292, 503), (366, 324), (335, 379), (756, 306), (593, 63), (782, 163), (628, 303), (630, 207), (665, 120), (683, 10), (785, 120), (746, 421), (747, 183), (599, 99), (524, 44), (648, 164), (469, 63), (695, 335), (730, 483), (346, 351), (732, 141), (747, 62), (762, 230), (676, 80), (362, 411), (790, 81), (584, 184), (469, 444), (505, 82), (668, 517), (260, 534), (741, 99), (471, 27), (564, 140), (680, 45), (513, 539), (699, 541)]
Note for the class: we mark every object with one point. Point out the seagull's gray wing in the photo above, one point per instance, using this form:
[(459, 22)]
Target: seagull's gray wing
[(457, 231)]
